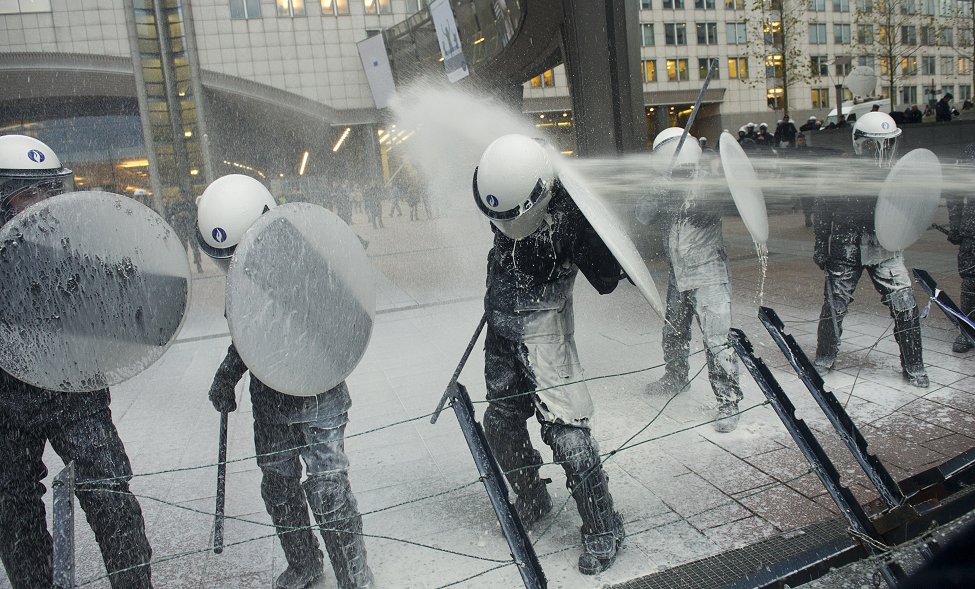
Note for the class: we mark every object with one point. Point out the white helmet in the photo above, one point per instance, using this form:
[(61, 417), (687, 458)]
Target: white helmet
[(227, 209), (876, 131), (667, 134), (750, 125), (28, 168), (140, 192), (663, 151), (765, 125), (513, 184)]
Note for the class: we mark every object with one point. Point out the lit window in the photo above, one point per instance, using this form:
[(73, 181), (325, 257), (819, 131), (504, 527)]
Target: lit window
[(774, 98), (738, 68), (909, 66), (291, 7), (647, 34), (736, 32), (377, 6), (24, 6), (734, 4), (337, 7), (964, 66), (649, 70), (545, 80), (677, 70), (245, 8), (773, 66), (707, 33), (820, 97)]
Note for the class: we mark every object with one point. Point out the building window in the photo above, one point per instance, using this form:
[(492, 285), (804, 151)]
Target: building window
[(707, 33), (841, 5), (677, 70), (947, 65), (909, 94), (908, 7), (884, 34), (867, 61), (843, 65), (817, 5), (927, 65), (25, 6), (820, 97), (964, 37), (377, 6), (675, 33), (649, 70), (817, 34), (928, 7), (946, 37), (841, 34), (340, 7), (865, 6), (909, 35), (738, 68), (291, 8), (245, 8), (819, 65), (734, 4), (545, 80), (704, 4), (703, 64), (736, 32), (929, 36), (884, 66), (774, 98), (885, 91), (964, 92), (964, 66), (773, 66), (909, 66), (865, 34), (646, 4), (647, 34), (946, 89), (674, 4)]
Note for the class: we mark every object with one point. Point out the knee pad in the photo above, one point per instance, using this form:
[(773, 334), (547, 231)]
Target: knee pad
[(902, 300), (573, 448), (327, 493)]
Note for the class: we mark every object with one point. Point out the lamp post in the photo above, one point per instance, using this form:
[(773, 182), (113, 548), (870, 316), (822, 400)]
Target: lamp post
[(840, 66)]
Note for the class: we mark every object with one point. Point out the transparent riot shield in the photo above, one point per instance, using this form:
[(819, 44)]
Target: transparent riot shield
[(301, 299), (94, 286), (908, 200)]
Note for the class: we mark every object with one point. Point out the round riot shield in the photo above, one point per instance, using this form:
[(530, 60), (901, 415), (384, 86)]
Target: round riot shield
[(301, 299), (745, 187), (94, 287), (908, 200)]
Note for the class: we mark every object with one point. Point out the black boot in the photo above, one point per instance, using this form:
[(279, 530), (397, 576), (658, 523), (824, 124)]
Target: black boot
[(337, 514), (289, 512), (534, 504), (907, 332), (668, 384), (828, 338)]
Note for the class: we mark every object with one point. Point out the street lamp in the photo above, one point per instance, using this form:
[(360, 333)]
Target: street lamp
[(840, 66)]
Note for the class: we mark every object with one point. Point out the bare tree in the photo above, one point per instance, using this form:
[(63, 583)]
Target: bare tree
[(961, 14), (781, 25), (889, 31)]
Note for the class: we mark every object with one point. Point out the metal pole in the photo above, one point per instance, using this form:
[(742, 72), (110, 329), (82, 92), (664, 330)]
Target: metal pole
[(449, 392), (839, 102), (712, 67), (218, 517), (63, 490)]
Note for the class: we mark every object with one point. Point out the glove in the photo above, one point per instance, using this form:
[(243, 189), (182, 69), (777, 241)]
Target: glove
[(223, 396), (819, 255), (954, 237)]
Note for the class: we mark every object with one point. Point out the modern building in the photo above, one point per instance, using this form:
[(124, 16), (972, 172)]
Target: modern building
[(166, 94)]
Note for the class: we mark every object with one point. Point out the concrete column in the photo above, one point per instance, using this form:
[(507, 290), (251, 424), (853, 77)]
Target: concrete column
[(601, 47)]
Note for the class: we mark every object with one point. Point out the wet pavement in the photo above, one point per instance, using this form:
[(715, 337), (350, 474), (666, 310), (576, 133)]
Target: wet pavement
[(685, 491)]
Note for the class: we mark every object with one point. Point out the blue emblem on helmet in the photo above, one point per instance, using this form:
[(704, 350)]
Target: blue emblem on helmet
[(885, 125), (492, 201), (35, 156), (219, 235)]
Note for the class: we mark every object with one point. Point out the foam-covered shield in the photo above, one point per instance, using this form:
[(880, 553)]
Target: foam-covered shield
[(301, 299), (908, 200), (94, 286), (612, 234), (745, 188)]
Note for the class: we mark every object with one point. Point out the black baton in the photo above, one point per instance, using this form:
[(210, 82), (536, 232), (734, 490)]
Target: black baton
[(221, 486)]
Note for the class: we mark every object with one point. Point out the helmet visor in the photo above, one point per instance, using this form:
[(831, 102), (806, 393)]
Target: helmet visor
[(19, 193), (538, 192)]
